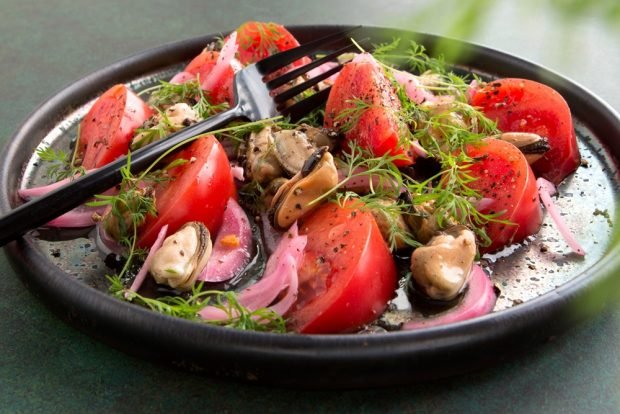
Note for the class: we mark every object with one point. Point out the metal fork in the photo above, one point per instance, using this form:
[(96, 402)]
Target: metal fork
[(256, 98)]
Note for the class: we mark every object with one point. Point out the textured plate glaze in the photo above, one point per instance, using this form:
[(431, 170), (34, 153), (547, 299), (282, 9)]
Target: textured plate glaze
[(545, 288)]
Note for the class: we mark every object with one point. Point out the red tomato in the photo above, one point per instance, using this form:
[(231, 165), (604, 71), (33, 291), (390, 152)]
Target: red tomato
[(521, 105), (377, 128), (504, 176), (107, 129), (198, 191), (347, 275), (257, 40), (202, 65)]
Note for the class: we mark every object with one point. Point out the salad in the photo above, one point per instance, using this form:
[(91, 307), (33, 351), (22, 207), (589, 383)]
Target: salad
[(395, 188)]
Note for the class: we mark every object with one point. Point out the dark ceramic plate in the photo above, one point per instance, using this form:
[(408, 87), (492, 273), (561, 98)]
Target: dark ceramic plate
[(545, 289)]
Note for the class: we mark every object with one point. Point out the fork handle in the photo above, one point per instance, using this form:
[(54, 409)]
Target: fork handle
[(41, 210)]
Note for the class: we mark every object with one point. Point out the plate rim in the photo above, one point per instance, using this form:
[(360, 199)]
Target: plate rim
[(327, 360)]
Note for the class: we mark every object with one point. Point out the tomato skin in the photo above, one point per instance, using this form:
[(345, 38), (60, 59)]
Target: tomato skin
[(521, 105), (504, 176), (347, 275), (202, 65), (257, 40), (378, 128), (108, 127), (198, 191)]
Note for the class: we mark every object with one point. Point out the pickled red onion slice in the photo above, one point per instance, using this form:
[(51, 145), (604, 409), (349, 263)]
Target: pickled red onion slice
[(81, 216), (139, 279), (479, 299), (237, 172), (28, 193), (287, 265), (182, 77), (280, 274), (415, 91), (545, 190), (227, 259), (419, 149), (262, 293), (474, 85), (322, 69), (226, 56), (365, 183), (106, 244), (484, 203)]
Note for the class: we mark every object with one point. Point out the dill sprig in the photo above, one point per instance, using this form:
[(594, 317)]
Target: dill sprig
[(239, 317), (419, 61), (358, 163), (313, 118), (231, 130), (135, 199), (128, 209), (166, 94), (252, 193), (442, 136), (238, 131), (204, 107), (349, 117), (415, 56), (147, 134), (391, 209), (443, 133), (381, 50), (446, 140), (452, 197), (61, 164), (187, 307)]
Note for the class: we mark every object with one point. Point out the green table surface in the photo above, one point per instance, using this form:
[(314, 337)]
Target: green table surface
[(46, 366)]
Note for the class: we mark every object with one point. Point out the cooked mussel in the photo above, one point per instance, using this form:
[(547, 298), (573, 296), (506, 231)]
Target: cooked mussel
[(298, 195), (274, 152), (182, 256), (174, 118), (442, 107), (262, 165), (180, 115), (271, 190), (391, 223), (294, 146), (440, 270), (533, 146), (424, 222), (117, 220), (292, 149)]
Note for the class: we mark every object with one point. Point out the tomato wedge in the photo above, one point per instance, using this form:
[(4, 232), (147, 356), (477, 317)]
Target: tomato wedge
[(198, 191), (257, 40), (504, 176), (521, 105), (347, 275), (376, 126), (203, 64), (107, 128)]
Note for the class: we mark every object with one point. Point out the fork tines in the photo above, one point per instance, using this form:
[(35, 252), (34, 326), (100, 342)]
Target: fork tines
[(303, 107), (270, 65), (289, 76), (293, 74), (280, 60)]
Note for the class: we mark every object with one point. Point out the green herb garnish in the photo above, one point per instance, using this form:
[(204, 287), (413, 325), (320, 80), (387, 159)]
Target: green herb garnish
[(187, 307), (61, 164)]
